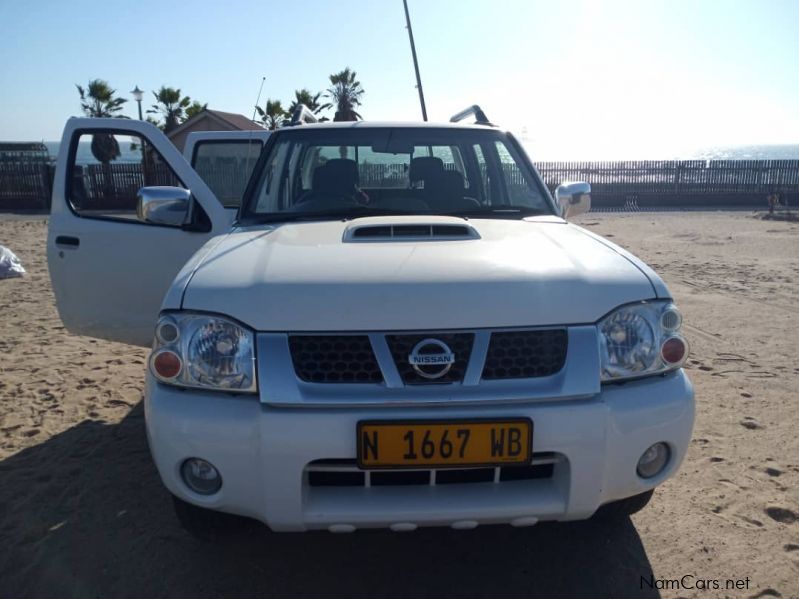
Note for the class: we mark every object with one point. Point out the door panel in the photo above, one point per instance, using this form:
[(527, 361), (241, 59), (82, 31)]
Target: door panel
[(110, 272)]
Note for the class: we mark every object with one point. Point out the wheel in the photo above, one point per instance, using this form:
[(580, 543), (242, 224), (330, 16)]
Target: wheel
[(625, 507), (209, 525)]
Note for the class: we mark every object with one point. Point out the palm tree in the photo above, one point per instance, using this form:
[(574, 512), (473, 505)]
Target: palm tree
[(195, 108), (98, 100), (304, 96), (346, 92), (273, 116), (171, 106)]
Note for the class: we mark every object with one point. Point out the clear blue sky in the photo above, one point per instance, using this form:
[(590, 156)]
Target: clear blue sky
[(620, 77)]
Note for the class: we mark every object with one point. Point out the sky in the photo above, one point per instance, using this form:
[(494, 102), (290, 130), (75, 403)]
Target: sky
[(573, 78)]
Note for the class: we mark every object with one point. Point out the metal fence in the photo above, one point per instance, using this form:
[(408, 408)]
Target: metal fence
[(116, 186), (683, 183), (27, 184), (25, 175)]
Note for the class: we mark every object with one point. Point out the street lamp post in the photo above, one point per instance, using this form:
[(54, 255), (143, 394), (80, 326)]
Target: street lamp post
[(138, 95)]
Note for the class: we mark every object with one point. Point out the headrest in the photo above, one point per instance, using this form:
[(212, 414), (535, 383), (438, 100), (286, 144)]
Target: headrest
[(337, 176), (424, 167)]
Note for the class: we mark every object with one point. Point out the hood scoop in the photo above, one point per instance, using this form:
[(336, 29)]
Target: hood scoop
[(410, 232)]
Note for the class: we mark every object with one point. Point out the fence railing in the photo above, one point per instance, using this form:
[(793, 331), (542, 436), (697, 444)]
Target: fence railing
[(700, 183), (679, 182), (25, 184), (115, 186)]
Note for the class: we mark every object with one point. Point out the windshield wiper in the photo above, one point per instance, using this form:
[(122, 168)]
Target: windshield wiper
[(345, 214), (500, 212)]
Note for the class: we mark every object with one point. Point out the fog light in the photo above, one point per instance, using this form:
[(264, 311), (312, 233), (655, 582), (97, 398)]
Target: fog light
[(200, 476), (653, 460)]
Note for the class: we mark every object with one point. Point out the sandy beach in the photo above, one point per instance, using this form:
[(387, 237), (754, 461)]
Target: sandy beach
[(83, 514)]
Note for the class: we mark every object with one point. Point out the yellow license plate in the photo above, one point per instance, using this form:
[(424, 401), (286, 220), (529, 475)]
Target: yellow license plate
[(437, 443)]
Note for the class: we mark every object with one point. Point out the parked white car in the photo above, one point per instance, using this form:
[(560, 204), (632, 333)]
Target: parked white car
[(395, 327)]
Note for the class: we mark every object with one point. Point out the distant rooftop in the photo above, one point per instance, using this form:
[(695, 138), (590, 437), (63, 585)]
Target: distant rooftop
[(224, 121), (239, 121)]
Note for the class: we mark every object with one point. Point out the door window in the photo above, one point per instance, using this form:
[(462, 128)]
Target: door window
[(106, 171)]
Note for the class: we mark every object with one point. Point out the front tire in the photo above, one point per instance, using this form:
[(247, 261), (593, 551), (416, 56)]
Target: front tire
[(208, 525)]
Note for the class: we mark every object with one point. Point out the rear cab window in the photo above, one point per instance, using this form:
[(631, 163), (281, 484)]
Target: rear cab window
[(226, 166)]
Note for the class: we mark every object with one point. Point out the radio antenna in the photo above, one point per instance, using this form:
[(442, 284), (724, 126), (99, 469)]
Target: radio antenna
[(415, 62), (258, 99), (254, 110)]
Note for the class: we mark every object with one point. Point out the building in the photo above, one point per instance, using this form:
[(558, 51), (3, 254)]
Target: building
[(211, 120)]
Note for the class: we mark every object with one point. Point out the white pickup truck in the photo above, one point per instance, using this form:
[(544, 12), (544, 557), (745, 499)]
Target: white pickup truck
[(393, 325)]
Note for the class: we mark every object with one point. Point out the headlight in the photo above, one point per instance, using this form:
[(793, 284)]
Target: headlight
[(641, 339), (203, 351)]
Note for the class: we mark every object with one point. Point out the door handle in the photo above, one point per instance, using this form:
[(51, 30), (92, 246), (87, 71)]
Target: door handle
[(67, 240)]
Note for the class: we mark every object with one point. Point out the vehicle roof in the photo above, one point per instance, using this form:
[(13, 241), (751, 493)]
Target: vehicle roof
[(388, 124)]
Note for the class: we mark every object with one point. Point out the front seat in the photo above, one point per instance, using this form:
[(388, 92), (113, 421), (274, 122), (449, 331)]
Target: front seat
[(424, 168), (336, 177), (333, 184)]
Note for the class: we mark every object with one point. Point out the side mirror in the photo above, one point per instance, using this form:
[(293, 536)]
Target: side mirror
[(573, 198), (161, 205)]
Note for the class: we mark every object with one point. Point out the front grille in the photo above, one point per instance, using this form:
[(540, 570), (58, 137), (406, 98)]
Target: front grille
[(459, 344), (515, 354), (345, 473), (525, 354), (334, 359)]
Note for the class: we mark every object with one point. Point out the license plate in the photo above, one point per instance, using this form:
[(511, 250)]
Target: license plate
[(440, 443)]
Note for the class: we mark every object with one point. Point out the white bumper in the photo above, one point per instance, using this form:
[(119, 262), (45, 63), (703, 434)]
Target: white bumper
[(262, 453)]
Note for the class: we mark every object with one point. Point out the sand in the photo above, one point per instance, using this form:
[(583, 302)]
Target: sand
[(83, 514)]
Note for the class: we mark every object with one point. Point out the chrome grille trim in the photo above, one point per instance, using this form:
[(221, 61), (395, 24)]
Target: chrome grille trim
[(401, 344)]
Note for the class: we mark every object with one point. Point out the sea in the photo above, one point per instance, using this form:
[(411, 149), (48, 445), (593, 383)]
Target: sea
[(732, 152)]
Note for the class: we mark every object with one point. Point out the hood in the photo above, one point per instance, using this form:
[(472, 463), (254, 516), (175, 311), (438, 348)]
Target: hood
[(318, 276)]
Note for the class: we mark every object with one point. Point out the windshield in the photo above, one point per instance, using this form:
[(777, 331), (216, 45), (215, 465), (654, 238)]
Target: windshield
[(340, 173)]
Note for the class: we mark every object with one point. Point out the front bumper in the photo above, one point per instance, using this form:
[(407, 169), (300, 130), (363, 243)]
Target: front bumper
[(263, 452)]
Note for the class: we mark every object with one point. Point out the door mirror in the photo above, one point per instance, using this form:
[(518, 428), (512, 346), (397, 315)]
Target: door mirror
[(161, 205), (573, 198)]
